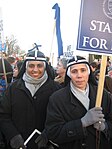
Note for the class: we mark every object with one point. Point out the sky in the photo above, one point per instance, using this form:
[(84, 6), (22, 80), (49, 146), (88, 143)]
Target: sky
[(32, 21)]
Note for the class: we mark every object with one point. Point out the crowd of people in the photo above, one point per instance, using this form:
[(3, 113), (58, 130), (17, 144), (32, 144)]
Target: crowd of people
[(59, 104)]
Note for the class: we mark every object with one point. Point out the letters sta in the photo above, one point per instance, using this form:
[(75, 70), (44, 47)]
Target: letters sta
[(100, 26)]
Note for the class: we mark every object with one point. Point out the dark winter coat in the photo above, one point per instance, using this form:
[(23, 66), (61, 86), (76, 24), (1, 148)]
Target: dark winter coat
[(20, 113), (63, 122)]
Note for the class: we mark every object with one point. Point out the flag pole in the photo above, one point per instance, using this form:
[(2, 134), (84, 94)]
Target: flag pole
[(52, 39)]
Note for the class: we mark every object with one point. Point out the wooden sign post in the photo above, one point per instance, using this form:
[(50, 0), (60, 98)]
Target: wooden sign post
[(101, 81)]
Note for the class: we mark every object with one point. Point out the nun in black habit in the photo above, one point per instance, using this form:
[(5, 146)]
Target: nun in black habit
[(73, 121), (23, 106)]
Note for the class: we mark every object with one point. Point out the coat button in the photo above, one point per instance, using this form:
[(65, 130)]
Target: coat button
[(34, 97), (83, 145), (70, 132)]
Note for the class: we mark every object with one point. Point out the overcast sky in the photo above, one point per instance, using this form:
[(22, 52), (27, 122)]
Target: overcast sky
[(33, 21)]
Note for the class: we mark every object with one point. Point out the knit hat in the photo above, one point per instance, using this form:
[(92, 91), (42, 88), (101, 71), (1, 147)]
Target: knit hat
[(35, 54), (79, 60)]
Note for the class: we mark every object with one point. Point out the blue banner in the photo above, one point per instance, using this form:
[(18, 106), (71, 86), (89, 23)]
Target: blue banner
[(95, 26), (3, 47), (58, 30)]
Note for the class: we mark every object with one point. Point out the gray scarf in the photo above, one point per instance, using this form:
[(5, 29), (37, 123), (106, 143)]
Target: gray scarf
[(82, 96), (34, 84)]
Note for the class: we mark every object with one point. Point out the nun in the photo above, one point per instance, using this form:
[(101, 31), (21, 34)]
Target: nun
[(73, 121), (23, 106)]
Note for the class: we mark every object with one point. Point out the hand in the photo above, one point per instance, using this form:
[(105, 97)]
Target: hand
[(50, 147), (22, 147), (2, 145), (93, 116), (99, 126), (41, 141), (17, 142)]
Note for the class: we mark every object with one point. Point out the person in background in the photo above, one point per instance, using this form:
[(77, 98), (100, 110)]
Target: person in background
[(73, 121), (51, 67), (23, 106), (107, 65), (110, 72), (11, 60), (97, 74), (5, 70), (16, 69), (93, 66), (3, 54), (107, 81), (61, 70)]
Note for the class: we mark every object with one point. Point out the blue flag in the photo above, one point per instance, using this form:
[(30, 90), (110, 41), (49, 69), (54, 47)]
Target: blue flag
[(58, 30)]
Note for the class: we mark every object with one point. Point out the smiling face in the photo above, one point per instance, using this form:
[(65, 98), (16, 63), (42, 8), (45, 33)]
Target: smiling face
[(79, 75), (35, 69)]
